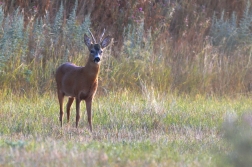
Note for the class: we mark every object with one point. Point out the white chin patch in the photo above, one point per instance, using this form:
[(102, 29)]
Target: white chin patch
[(96, 62)]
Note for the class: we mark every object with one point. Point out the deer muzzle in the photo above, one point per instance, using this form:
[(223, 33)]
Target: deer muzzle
[(97, 59)]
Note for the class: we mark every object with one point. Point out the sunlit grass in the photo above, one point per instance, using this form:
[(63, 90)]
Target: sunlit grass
[(160, 101), (129, 129)]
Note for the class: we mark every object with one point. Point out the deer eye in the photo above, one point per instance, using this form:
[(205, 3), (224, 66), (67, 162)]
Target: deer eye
[(92, 52)]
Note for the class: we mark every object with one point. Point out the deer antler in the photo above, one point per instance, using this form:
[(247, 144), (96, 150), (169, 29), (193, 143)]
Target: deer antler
[(102, 34), (92, 36)]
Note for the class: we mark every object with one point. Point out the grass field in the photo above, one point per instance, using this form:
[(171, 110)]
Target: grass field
[(174, 85), (143, 129)]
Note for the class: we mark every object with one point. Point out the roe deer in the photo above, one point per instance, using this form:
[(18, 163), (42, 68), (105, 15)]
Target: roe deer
[(80, 83)]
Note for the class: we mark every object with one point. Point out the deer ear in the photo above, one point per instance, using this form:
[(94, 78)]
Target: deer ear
[(87, 40), (105, 42)]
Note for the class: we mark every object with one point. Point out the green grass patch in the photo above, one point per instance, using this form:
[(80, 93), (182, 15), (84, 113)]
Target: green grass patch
[(129, 129)]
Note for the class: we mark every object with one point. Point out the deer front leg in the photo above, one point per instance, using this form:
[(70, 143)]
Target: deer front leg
[(77, 112), (61, 98), (89, 112), (69, 103)]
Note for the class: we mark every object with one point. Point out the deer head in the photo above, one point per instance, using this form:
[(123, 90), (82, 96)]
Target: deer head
[(96, 49)]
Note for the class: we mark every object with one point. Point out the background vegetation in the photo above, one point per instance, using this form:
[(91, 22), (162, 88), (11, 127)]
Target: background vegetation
[(196, 47), (174, 86)]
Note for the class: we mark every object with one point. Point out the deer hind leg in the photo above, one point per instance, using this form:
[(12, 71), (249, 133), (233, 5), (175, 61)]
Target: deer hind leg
[(77, 111), (89, 113), (69, 103), (61, 98)]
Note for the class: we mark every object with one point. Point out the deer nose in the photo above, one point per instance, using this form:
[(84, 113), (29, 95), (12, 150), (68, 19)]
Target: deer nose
[(97, 59)]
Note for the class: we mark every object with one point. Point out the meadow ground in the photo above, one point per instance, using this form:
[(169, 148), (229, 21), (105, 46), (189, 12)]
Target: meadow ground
[(174, 85), (130, 129)]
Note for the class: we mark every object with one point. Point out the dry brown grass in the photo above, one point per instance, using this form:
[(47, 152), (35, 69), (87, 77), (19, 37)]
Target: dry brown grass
[(181, 58)]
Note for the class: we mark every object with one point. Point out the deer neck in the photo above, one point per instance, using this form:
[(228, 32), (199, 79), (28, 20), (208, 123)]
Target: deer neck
[(91, 69)]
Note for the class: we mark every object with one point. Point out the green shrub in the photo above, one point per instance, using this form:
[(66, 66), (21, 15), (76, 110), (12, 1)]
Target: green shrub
[(230, 35)]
